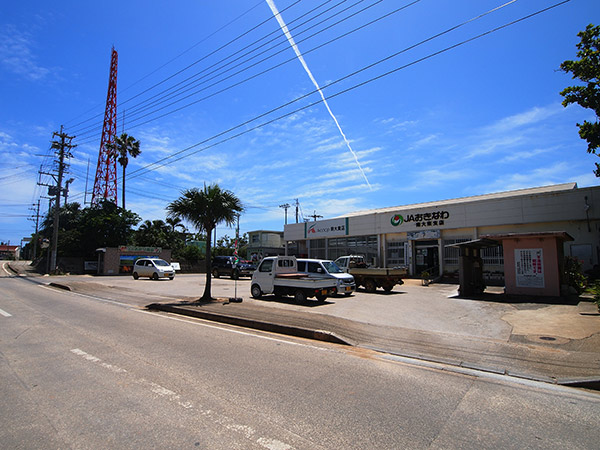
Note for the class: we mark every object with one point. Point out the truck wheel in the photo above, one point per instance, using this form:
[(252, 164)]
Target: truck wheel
[(235, 274), (320, 297), (387, 287), (255, 291), (299, 296), (215, 273), (135, 275), (370, 286)]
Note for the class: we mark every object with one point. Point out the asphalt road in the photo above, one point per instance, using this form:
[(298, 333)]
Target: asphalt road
[(81, 371)]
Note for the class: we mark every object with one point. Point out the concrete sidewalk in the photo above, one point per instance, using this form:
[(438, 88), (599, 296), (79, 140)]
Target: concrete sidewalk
[(556, 343)]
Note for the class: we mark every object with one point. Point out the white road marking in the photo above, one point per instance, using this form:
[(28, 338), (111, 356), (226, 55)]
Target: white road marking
[(6, 270), (4, 313), (190, 320), (219, 419), (114, 302)]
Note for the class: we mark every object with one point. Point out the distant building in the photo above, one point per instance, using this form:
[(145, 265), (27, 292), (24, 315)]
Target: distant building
[(418, 236), (120, 260), (263, 243), (10, 252)]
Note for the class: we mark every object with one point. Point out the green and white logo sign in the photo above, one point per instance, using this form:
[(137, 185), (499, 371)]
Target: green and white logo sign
[(397, 220)]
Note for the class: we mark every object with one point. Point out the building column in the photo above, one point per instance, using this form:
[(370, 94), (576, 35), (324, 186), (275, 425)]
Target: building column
[(441, 255)]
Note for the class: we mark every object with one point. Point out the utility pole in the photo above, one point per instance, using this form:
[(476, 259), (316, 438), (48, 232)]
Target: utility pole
[(315, 216), (285, 206), (62, 148), (37, 223), (297, 207)]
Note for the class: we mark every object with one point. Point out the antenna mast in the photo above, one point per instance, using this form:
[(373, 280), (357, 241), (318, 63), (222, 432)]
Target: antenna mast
[(105, 184)]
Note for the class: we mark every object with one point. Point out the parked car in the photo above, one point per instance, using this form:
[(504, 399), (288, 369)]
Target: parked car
[(225, 265), (321, 268), (154, 268)]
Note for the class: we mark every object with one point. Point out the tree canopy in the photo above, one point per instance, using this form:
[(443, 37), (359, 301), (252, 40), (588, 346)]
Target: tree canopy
[(587, 70), (205, 209), (122, 147), (82, 231)]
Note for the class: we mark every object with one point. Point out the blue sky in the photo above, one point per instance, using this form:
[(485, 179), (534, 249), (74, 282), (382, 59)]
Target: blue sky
[(484, 116)]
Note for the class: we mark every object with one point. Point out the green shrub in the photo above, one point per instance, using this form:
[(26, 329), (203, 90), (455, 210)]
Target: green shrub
[(574, 276)]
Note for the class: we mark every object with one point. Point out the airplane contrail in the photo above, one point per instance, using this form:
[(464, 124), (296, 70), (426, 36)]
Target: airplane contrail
[(290, 39)]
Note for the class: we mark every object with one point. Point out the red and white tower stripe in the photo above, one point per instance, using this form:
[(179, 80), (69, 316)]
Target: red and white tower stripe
[(105, 184)]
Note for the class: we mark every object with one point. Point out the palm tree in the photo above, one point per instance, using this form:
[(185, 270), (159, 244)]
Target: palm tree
[(205, 209), (175, 222), (124, 145)]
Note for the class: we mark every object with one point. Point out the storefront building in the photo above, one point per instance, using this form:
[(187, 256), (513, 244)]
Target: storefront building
[(417, 236)]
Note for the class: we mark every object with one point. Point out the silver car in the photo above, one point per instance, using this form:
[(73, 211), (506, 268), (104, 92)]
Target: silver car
[(153, 268)]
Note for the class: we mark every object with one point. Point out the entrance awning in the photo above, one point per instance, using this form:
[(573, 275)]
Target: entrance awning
[(476, 243)]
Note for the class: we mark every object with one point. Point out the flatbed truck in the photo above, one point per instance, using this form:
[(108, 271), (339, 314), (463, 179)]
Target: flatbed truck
[(371, 277)]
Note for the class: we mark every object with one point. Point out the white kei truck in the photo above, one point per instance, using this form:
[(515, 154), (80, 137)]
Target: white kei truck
[(279, 275)]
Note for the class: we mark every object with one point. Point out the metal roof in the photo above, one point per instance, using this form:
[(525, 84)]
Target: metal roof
[(475, 198)]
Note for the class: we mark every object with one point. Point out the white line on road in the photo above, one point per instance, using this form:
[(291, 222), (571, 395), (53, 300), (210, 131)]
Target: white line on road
[(6, 270), (4, 313), (194, 321), (113, 302), (217, 418)]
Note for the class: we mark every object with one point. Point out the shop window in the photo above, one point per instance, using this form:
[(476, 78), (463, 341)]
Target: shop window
[(451, 254), (358, 245), (318, 249), (493, 256), (396, 254)]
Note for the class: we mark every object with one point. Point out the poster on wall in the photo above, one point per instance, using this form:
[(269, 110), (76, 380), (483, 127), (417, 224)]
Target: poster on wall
[(529, 267)]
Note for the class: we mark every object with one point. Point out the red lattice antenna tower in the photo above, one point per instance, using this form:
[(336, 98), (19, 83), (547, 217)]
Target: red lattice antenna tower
[(105, 184)]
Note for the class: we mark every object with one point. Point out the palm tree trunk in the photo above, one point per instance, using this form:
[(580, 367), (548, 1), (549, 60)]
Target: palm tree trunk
[(123, 187), (207, 295)]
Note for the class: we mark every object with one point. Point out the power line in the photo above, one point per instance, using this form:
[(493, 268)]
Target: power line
[(172, 158), (198, 60), (283, 41), (167, 63)]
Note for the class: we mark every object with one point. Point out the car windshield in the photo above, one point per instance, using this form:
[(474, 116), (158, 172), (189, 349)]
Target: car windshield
[(332, 267), (160, 262)]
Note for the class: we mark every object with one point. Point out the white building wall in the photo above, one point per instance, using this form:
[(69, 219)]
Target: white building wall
[(558, 208)]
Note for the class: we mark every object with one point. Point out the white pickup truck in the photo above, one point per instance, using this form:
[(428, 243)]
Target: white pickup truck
[(279, 275)]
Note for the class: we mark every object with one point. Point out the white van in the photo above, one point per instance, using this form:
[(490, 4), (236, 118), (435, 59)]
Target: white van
[(322, 268)]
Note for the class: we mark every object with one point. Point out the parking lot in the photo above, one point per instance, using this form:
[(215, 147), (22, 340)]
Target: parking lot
[(433, 308)]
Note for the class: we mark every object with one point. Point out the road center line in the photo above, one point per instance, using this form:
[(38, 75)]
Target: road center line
[(4, 313), (220, 419)]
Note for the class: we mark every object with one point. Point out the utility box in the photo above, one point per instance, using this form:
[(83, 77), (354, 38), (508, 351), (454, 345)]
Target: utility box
[(470, 265)]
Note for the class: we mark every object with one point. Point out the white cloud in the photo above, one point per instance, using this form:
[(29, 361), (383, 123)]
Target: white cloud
[(532, 116), (17, 56), (541, 176), (526, 154)]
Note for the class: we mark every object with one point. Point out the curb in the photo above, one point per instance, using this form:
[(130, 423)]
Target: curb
[(60, 286), (318, 335)]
